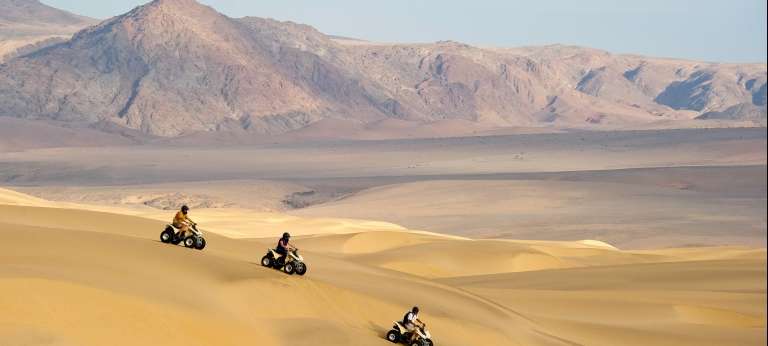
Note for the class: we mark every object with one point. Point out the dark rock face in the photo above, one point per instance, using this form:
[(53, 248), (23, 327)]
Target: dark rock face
[(693, 93), (759, 96)]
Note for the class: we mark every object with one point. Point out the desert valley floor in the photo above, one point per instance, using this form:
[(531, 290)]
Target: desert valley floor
[(650, 237)]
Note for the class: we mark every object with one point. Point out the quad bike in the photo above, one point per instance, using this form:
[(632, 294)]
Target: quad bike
[(194, 240), (400, 334), (292, 263)]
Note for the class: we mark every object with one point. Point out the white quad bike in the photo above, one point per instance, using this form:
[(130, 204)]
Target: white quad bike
[(400, 334), (292, 263), (192, 241)]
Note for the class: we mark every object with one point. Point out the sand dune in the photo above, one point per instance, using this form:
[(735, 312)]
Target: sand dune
[(632, 189), (82, 277), (628, 214), (232, 222), (685, 303), (224, 290)]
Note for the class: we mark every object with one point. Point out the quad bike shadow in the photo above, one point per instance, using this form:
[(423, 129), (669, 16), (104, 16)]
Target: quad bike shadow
[(170, 235), (293, 263)]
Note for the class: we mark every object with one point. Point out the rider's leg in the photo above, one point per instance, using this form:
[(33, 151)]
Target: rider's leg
[(282, 252), (412, 329), (182, 231)]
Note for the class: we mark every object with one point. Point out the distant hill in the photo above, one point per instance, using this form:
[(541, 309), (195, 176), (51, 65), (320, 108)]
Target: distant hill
[(27, 25), (176, 67)]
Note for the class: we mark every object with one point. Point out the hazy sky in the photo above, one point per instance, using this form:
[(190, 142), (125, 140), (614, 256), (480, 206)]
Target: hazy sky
[(712, 30)]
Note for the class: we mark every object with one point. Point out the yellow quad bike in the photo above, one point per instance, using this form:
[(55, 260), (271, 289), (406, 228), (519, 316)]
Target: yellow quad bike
[(400, 334), (293, 263), (195, 240)]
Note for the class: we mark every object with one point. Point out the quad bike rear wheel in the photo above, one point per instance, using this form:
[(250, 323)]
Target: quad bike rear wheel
[(393, 336), (266, 261), (289, 268), (167, 236), (301, 268)]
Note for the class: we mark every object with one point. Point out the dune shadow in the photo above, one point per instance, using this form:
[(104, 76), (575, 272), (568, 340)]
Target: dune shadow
[(378, 329), (258, 264)]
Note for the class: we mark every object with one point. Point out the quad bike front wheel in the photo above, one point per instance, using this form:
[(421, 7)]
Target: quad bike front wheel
[(301, 268), (166, 236), (266, 261), (189, 242), (289, 268), (200, 244), (393, 336)]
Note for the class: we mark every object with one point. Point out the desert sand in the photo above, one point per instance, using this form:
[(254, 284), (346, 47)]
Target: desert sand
[(633, 238), (76, 274), (632, 189)]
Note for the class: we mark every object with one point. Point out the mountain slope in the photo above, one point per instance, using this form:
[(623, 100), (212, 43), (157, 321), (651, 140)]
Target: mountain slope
[(175, 67), (30, 23)]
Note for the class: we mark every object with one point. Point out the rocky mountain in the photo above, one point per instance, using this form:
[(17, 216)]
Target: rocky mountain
[(175, 67), (28, 25)]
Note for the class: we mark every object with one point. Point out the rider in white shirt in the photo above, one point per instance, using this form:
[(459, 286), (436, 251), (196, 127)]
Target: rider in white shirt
[(411, 320)]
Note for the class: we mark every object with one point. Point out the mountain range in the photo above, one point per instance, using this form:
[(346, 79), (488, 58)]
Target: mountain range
[(173, 68)]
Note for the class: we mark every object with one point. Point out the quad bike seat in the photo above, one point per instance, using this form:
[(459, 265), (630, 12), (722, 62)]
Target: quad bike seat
[(401, 326)]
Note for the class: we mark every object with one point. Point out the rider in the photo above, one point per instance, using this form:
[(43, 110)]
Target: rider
[(410, 320), (181, 221), (284, 245)]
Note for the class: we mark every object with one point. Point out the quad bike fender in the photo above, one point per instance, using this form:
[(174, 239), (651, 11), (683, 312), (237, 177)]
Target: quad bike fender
[(399, 327), (195, 231), (296, 257)]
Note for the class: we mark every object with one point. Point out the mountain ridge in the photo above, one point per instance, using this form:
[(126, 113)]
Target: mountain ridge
[(176, 67), (29, 25)]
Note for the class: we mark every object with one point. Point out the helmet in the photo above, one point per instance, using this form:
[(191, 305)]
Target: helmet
[(184, 208), (286, 235), (415, 310)]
